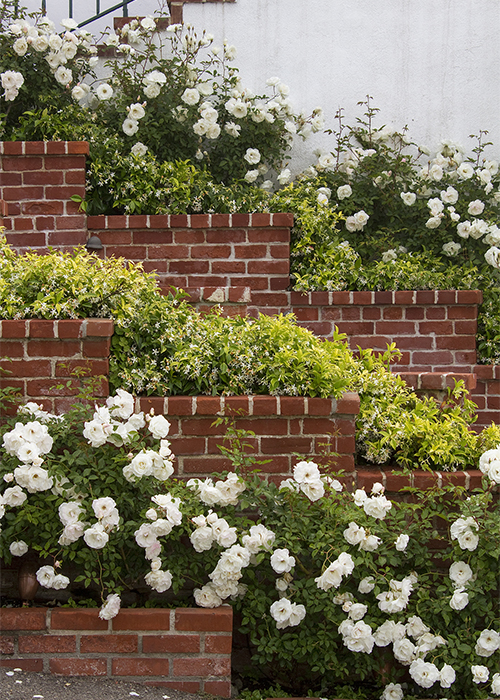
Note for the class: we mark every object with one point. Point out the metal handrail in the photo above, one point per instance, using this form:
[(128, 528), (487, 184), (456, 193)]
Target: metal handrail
[(124, 5)]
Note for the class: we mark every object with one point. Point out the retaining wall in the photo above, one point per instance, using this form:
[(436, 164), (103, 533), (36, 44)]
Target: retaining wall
[(240, 261), (186, 648)]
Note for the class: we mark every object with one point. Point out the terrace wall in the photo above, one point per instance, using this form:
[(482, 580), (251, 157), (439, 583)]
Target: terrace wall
[(241, 261), (186, 649)]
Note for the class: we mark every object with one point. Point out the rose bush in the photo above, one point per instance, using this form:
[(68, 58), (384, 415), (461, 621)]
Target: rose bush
[(317, 573)]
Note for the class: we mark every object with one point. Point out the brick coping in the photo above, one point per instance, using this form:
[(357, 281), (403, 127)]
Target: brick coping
[(147, 221), (400, 297), (47, 148)]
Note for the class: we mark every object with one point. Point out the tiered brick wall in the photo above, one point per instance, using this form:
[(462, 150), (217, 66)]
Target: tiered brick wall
[(37, 180), (187, 649), (237, 258), (282, 425), (40, 358), (242, 262)]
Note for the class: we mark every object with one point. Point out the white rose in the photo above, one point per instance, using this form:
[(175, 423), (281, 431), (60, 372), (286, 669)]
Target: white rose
[(130, 126), (135, 111), (103, 506), (190, 96), (449, 196), (487, 643), (495, 684), (435, 205), (451, 248), (447, 676), (63, 75), (354, 534), (408, 198), (207, 597), (159, 581), (433, 222), (111, 607), (70, 512), (402, 542), (18, 549), (460, 573), (159, 427), (59, 582), (20, 46), (377, 506), (424, 673), (45, 576), (492, 257), (14, 496), (392, 691), (251, 175), (359, 638), (465, 171), (344, 191), (404, 651), (476, 207), (95, 537), (415, 627), (281, 561), (480, 674), (252, 156), (366, 585)]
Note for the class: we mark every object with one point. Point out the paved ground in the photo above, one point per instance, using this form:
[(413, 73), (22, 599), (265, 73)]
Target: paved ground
[(39, 686)]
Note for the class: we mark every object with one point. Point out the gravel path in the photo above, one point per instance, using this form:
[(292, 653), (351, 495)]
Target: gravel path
[(22, 685)]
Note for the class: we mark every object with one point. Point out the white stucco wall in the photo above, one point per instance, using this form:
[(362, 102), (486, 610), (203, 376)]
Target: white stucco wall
[(431, 64)]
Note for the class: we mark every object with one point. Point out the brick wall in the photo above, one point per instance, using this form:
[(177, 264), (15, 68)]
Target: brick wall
[(283, 426), (242, 262), (187, 649), (40, 358), (37, 180), (240, 258)]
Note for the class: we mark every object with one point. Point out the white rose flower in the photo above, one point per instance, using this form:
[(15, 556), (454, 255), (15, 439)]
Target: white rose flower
[(159, 581), (207, 597), (18, 549), (487, 643), (359, 638), (232, 129), (476, 207), (281, 561), (111, 607), (135, 111), (451, 248), (366, 585), (404, 651), (59, 582), (252, 156), (280, 611), (354, 534), (480, 674), (14, 496), (45, 576), (485, 461), (104, 92), (130, 126), (359, 497), (72, 532), (465, 171), (449, 196), (460, 573), (314, 490), (285, 176), (433, 222), (357, 611), (408, 198), (103, 506), (20, 46), (251, 175), (495, 684), (70, 512), (392, 691), (492, 257), (63, 76), (468, 540), (415, 627), (377, 507), (424, 673), (447, 676), (402, 542), (38, 479), (435, 205), (159, 427), (326, 162), (344, 191), (190, 96), (370, 543), (95, 537)]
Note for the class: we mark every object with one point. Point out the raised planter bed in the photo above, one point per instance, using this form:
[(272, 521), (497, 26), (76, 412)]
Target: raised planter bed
[(184, 648)]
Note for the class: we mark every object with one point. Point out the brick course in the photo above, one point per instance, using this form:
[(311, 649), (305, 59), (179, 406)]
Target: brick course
[(176, 648)]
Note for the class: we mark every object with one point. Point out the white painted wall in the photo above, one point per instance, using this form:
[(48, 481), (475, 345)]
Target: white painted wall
[(431, 64)]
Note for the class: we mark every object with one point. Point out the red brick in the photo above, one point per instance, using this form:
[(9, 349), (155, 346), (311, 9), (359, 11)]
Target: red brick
[(220, 220), (74, 177), (366, 477), (70, 329), (35, 665), (415, 313), (108, 643), (383, 297), (23, 619), (42, 329), (54, 348), (218, 644), (189, 237), (148, 237), (127, 252), (74, 147), (168, 252), (237, 219), (13, 329), (348, 403), (12, 148), (142, 620), (392, 312), (180, 406), (272, 267), (99, 327), (45, 223), (65, 163), (47, 644), (27, 368), (20, 164), (292, 405), (404, 297), (178, 643), (6, 645), (198, 620), (220, 688), (264, 406), (462, 312), (219, 666), (205, 464), (136, 221), (140, 667), (79, 667), (225, 236), (77, 620), (283, 219), (190, 267), (284, 445), (96, 348), (208, 405), (228, 267), (200, 220), (396, 328), (201, 426)]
